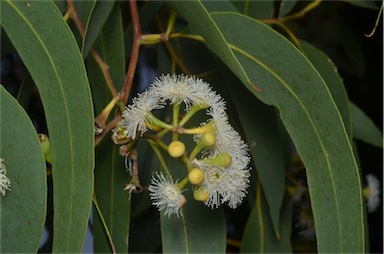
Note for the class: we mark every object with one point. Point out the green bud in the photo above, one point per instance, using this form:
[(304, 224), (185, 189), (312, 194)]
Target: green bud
[(46, 146), (222, 160)]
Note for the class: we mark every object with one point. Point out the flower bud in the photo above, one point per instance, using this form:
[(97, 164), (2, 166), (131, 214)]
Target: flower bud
[(200, 194), (46, 146), (176, 149), (196, 176), (208, 139), (222, 160)]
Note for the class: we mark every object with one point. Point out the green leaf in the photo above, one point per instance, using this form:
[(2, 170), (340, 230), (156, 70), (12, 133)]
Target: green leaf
[(262, 58), (23, 208), (56, 66), (99, 14), (258, 234), (110, 174), (262, 133), (198, 230), (328, 72), (211, 34), (256, 9), (363, 3), (286, 6), (364, 128)]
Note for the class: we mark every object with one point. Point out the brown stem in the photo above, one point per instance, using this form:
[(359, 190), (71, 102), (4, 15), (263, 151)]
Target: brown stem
[(134, 52), (75, 17), (108, 127), (105, 70)]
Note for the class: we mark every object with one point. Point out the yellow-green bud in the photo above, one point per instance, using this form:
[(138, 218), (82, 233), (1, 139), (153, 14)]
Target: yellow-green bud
[(208, 139), (200, 194), (222, 160), (46, 146), (176, 149), (196, 176)]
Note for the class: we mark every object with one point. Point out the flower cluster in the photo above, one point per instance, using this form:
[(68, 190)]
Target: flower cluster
[(217, 166), (5, 183)]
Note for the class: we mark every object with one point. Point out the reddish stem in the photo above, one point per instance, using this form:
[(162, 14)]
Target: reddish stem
[(134, 52)]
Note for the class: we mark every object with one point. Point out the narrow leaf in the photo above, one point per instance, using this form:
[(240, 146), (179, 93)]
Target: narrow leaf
[(211, 34), (262, 133), (258, 234), (364, 128), (99, 14), (198, 230), (23, 208), (110, 173), (256, 9), (286, 6), (329, 73), (308, 111), (56, 66)]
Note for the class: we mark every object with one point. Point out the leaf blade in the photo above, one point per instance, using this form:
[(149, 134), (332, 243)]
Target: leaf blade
[(65, 94), (288, 86), (23, 208), (323, 161), (98, 16)]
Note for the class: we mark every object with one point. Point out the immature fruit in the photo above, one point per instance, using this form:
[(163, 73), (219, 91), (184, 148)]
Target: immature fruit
[(176, 149), (196, 176)]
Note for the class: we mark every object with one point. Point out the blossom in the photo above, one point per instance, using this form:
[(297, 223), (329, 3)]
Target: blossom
[(138, 115), (372, 192), (224, 184), (166, 195), (5, 183), (186, 89)]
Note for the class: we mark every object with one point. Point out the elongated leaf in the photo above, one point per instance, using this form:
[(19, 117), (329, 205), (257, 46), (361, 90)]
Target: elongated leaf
[(363, 3), (261, 130), (23, 208), (215, 37), (200, 229), (56, 66), (258, 235), (110, 173), (328, 72), (256, 9), (96, 20), (286, 6), (289, 82), (364, 128)]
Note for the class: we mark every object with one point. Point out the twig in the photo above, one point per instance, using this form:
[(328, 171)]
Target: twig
[(108, 127), (134, 52)]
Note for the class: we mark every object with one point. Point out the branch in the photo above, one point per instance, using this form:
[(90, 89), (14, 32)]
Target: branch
[(134, 52)]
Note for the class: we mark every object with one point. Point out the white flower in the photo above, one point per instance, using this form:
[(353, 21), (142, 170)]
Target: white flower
[(166, 195), (224, 184), (180, 88), (372, 192), (237, 190), (5, 183), (137, 115), (228, 139)]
